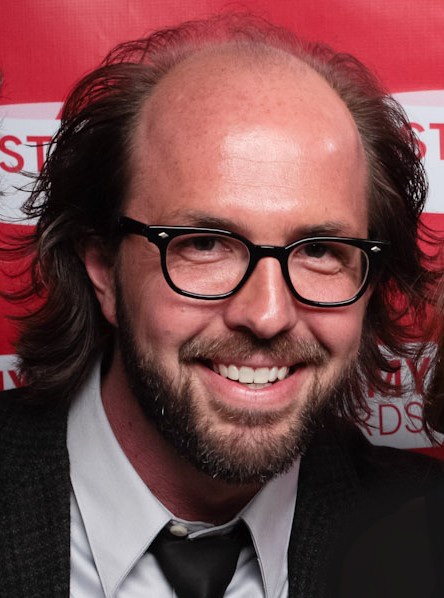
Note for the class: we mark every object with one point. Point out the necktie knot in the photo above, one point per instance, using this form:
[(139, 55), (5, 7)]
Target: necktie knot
[(202, 567)]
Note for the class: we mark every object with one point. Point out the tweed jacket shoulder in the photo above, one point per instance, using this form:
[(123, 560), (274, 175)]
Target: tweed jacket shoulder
[(338, 473)]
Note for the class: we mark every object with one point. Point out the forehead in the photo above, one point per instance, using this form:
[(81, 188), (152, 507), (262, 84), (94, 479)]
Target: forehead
[(232, 133)]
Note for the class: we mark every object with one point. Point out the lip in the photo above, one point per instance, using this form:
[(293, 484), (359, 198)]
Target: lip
[(276, 396)]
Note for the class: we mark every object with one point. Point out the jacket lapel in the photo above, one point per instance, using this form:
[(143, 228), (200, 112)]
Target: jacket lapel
[(328, 491)]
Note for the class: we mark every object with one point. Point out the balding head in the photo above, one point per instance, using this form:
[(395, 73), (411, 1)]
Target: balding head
[(245, 103)]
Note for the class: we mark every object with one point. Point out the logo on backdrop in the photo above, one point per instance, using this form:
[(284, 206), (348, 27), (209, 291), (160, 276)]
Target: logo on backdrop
[(25, 131), (396, 420), (425, 110)]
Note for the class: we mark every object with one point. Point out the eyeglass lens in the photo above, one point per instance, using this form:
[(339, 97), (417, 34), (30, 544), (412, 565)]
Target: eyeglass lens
[(214, 264)]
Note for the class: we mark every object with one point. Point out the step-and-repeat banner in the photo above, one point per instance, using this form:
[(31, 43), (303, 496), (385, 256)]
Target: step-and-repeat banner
[(45, 46)]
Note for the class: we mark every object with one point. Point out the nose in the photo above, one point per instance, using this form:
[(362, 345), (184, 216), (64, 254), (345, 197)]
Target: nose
[(264, 305)]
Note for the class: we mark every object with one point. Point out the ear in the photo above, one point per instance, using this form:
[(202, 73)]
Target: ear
[(101, 273)]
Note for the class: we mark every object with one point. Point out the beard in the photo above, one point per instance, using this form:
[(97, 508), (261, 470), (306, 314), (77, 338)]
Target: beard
[(252, 451)]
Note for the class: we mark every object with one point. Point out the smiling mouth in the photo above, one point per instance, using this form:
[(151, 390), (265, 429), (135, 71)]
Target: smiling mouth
[(255, 378)]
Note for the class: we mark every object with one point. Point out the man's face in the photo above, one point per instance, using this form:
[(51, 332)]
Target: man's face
[(276, 158)]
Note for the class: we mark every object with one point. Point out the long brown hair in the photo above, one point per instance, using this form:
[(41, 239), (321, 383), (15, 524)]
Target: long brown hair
[(82, 186), (434, 396)]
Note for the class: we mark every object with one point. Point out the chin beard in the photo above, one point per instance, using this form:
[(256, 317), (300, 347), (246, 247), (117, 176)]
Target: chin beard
[(251, 451)]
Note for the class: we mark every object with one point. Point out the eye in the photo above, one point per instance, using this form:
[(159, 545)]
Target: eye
[(316, 250), (321, 256), (200, 248), (199, 244), (203, 243)]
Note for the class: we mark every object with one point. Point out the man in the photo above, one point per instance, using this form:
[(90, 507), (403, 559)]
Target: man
[(223, 218)]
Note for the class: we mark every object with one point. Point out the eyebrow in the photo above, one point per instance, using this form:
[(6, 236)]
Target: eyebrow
[(201, 219)]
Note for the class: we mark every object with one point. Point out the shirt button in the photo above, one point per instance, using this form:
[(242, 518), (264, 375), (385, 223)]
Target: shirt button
[(179, 530)]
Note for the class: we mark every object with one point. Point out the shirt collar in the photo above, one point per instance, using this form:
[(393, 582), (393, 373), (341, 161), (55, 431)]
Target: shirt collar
[(122, 517), (269, 516)]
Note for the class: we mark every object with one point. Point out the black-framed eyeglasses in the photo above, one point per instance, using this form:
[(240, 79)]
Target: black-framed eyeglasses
[(207, 263)]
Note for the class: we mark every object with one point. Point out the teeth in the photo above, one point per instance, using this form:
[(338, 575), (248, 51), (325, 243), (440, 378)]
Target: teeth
[(261, 375), (233, 372), (256, 386), (273, 374), (282, 373), (246, 375), (223, 370), (251, 376)]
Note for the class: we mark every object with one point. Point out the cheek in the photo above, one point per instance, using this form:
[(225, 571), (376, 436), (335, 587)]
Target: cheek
[(164, 320), (161, 319), (340, 330)]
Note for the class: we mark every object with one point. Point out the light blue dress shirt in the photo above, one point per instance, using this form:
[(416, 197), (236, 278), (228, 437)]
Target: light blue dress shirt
[(115, 517)]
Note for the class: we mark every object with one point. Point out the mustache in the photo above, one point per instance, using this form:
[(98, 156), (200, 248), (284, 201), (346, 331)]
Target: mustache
[(242, 346)]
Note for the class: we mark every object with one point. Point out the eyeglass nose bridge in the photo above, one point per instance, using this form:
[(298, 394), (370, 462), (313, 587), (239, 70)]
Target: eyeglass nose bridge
[(258, 252)]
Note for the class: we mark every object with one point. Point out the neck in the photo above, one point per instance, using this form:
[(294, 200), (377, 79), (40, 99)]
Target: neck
[(184, 490)]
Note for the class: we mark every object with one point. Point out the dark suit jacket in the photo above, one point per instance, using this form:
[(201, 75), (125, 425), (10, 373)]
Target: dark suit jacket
[(339, 473)]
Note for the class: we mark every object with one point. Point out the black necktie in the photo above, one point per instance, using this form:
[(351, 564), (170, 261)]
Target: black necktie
[(199, 568)]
